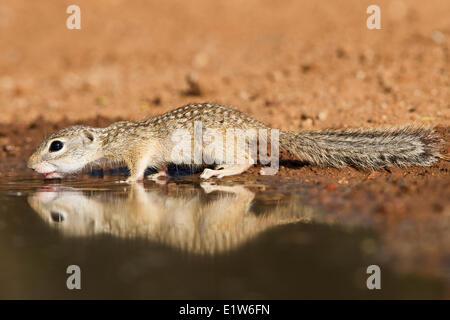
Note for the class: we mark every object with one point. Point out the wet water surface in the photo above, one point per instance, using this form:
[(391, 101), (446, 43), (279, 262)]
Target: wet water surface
[(191, 240)]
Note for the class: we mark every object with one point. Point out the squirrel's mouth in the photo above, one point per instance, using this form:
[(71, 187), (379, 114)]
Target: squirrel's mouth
[(52, 175)]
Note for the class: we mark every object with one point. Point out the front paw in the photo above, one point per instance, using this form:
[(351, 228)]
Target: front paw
[(209, 173)]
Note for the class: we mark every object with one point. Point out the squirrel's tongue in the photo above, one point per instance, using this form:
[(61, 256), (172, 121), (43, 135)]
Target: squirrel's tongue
[(46, 174), (52, 175)]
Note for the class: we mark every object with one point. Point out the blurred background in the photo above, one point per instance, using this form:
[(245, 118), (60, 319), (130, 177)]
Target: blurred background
[(293, 64)]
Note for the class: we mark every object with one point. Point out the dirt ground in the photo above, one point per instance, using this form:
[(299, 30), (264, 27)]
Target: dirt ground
[(295, 65)]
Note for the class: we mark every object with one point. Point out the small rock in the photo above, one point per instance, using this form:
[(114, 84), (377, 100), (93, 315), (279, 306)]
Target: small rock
[(275, 76), (307, 123), (193, 85), (10, 150), (102, 101), (360, 75), (144, 105), (200, 60), (340, 53), (19, 90), (305, 68), (438, 37), (322, 115), (156, 101)]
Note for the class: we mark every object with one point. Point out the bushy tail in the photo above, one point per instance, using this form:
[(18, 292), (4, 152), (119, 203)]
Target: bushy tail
[(364, 148)]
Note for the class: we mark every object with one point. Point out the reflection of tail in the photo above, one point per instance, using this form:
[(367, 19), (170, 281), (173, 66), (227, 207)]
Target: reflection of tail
[(365, 148)]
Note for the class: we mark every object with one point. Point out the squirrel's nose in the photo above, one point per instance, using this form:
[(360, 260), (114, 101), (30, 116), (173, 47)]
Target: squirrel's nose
[(31, 163)]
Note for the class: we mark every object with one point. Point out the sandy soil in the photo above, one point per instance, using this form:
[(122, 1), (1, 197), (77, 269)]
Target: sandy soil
[(292, 64)]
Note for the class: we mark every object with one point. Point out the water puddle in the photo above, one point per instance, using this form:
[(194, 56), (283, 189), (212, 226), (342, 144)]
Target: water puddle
[(190, 240)]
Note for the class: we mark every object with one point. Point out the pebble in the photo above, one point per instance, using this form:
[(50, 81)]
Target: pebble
[(322, 115)]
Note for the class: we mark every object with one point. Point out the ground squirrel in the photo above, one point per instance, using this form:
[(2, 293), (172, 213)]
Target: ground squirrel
[(150, 143)]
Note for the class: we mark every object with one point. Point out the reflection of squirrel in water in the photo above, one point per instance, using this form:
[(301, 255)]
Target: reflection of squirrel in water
[(148, 143), (185, 221)]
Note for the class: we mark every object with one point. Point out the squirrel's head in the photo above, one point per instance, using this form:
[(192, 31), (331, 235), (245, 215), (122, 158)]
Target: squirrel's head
[(66, 151)]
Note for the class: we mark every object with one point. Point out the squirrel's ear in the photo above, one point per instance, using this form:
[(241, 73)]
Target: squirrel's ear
[(88, 136)]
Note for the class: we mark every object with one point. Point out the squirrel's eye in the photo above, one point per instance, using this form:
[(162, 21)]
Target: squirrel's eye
[(55, 146), (56, 216)]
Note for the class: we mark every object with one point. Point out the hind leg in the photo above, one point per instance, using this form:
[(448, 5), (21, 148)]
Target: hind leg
[(242, 160)]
